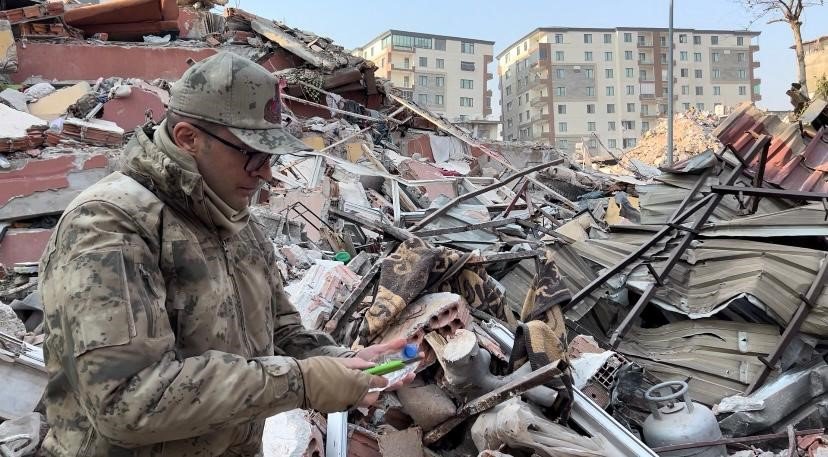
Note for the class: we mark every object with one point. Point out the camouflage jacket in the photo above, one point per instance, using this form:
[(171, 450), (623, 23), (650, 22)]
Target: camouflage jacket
[(163, 338)]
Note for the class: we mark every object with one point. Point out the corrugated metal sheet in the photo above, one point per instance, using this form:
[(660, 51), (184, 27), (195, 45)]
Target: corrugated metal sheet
[(715, 272), (806, 220), (794, 163)]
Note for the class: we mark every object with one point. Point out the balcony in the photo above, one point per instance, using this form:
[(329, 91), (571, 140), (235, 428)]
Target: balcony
[(648, 63), (755, 64), (754, 48), (489, 76), (644, 97), (756, 97), (403, 48), (402, 67), (539, 101)]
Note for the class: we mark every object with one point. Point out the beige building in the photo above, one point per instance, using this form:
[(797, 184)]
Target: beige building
[(448, 75), (567, 85), (816, 61)]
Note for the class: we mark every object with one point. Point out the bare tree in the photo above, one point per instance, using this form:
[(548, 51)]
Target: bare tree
[(789, 11)]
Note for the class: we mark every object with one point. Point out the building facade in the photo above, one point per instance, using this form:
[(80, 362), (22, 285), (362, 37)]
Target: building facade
[(447, 75), (568, 85), (816, 62)]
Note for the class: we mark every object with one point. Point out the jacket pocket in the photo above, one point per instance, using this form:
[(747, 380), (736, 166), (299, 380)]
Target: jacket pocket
[(97, 300)]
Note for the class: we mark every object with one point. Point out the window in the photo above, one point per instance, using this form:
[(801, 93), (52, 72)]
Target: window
[(630, 89), (696, 39), (641, 40), (645, 110), (629, 73), (560, 73), (700, 106), (442, 63), (697, 57), (562, 126), (717, 90), (563, 144), (527, 115), (509, 123), (685, 90), (526, 99), (423, 81), (559, 56), (520, 117), (385, 42), (406, 63), (642, 57), (740, 41), (382, 62), (697, 74), (683, 56), (509, 89), (608, 73), (629, 143), (403, 41), (610, 108), (372, 51), (506, 75), (628, 55), (525, 45), (613, 143), (682, 38), (684, 72), (467, 66), (408, 95), (628, 125), (466, 101), (590, 91), (716, 56), (608, 56), (611, 126), (588, 56), (561, 109), (560, 91), (699, 90), (558, 38), (663, 58), (742, 90), (645, 126), (424, 61), (422, 99), (686, 106), (424, 43), (587, 38), (590, 73), (440, 81), (630, 107), (467, 84), (741, 74), (642, 75), (662, 41), (406, 81), (520, 101), (714, 39), (607, 38), (466, 47), (508, 107), (740, 57), (590, 108), (439, 44), (590, 126), (627, 37), (610, 90), (717, 73)]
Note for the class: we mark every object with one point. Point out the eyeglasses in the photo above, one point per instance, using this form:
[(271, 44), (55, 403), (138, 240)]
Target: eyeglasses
[(255, 159)]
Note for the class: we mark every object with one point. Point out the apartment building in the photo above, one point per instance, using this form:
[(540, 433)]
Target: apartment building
[(816, 61), (448, 75), (567, 85)]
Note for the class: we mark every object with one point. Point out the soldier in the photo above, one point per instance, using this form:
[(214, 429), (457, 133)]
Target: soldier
[(168, 331)]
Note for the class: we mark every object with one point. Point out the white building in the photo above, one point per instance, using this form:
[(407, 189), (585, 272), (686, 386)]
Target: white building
[(565, 85), (447, 75)]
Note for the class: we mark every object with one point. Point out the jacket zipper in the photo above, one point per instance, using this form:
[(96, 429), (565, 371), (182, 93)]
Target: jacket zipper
[(148, 308), (239, 306)]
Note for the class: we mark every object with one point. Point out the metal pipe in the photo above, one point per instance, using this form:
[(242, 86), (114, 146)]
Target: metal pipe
[(670, 92)]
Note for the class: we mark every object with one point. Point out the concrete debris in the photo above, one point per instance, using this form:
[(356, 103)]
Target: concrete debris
[(401, 224)]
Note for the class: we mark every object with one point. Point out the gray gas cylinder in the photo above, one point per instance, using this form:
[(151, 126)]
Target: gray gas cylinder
[(679, 422)]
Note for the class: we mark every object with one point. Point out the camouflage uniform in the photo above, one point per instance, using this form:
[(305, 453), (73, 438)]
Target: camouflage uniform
[(167, 334)]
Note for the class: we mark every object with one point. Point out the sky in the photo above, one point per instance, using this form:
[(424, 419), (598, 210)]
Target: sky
[(353, 23)]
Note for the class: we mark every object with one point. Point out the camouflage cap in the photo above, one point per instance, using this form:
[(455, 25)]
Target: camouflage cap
[(230, 90)]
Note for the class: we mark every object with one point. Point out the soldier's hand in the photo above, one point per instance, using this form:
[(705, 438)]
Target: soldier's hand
[(371, 397)]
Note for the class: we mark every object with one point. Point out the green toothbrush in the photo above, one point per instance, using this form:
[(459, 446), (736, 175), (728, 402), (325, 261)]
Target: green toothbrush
[(390, 366)]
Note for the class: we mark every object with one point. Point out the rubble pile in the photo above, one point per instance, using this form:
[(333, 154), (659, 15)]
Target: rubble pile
[(552, 301), (692, 135)]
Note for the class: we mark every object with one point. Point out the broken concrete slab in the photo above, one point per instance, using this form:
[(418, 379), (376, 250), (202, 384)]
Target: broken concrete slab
[(23, 245), (47, 186), (9, 322), (402, 443), (55, 104), (15, 99), (292, 434), (131, 112), (428, 405), (20, 131), (8, 48)]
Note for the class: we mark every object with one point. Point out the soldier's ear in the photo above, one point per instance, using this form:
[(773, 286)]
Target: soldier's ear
[(186, 137)]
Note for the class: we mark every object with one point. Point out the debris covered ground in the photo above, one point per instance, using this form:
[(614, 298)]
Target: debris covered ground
[(549, 297)]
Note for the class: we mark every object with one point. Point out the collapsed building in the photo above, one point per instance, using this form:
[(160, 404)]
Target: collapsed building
[(552, 295)]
